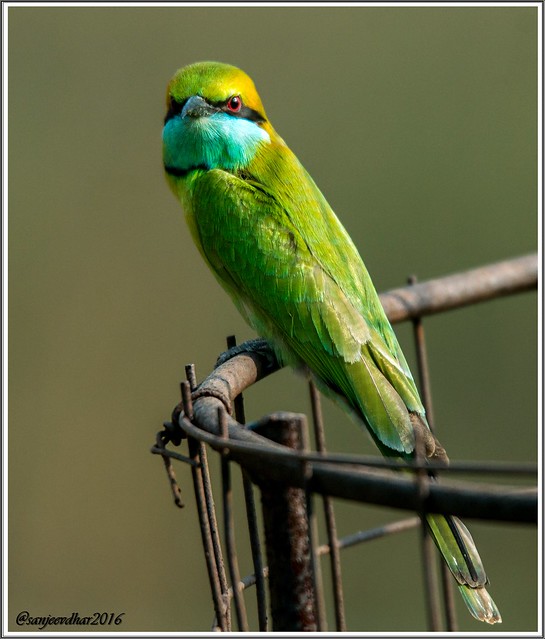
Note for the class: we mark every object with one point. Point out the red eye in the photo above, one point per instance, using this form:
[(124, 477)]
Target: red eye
[(234, 104)]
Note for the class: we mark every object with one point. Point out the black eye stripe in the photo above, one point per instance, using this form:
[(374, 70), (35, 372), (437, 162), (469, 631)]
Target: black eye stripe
[(249, 114), (175, 108), (245, 112)]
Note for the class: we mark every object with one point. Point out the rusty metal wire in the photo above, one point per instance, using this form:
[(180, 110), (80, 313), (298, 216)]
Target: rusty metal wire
[(252, 520), (331, 526), (205, 417)]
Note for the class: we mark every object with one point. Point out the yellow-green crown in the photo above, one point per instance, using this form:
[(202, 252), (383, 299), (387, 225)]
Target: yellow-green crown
[(216, 82)]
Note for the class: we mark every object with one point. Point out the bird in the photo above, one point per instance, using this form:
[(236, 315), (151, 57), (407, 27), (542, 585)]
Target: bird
[(277, 248)]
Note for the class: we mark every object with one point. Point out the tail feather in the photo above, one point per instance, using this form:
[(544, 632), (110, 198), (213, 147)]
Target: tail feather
[(460, 553), (480, 604)]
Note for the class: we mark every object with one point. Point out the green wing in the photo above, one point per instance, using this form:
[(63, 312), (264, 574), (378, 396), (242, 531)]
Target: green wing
[(293, 271)]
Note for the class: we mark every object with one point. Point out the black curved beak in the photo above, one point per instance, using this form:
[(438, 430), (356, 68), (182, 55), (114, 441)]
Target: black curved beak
[(197, 107)]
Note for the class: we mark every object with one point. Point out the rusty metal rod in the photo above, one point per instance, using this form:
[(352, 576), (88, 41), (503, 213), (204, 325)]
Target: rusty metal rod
[(289, 555), (331, 526), (422, 363), (370, 485), (204, 488), (517, 469), (196, 472), (257, 555), (347, 542), (373, 533), (428, 549), (315, 564), (159, 448), (251, 518), (426, 544), (229, 535), (213, 577), (430, 579), (455, 291), (250, 580), (214, 530)]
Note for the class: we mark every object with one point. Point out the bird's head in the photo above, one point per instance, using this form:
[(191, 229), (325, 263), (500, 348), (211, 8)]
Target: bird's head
[(214, 119)]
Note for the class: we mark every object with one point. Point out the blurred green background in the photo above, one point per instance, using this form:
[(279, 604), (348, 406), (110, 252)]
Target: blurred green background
[(418, 124)]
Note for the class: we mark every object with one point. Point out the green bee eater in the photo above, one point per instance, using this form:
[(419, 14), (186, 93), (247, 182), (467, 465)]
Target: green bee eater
[(275, 245)]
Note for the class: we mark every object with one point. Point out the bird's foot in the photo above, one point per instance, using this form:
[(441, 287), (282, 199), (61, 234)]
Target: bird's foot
[(259, 346)]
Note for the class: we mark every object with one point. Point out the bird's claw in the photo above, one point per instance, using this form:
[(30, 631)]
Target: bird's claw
[(259, 346)]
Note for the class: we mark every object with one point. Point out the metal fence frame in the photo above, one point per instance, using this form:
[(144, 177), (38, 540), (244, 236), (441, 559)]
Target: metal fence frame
[(274, 454)]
